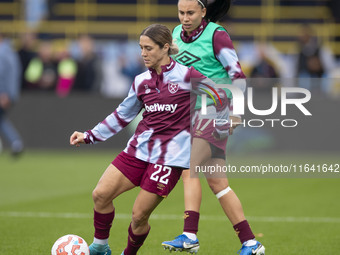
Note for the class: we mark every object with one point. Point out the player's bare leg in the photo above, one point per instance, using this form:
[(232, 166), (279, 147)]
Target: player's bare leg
[(200, 152), (232, 207), (201, 155), (139, 228), (145, 204), (229, 201), (192, 192), (111, 185), (192, 203)]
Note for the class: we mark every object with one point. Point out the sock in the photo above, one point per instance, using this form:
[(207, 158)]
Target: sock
[(134, 242), (243, 231), (190, 235), (191, 219), (101, 241), (250, 242), (102, 224)]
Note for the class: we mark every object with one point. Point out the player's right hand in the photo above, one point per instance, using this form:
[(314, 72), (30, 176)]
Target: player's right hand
[(221, 131), (235, 122), (77, 138)]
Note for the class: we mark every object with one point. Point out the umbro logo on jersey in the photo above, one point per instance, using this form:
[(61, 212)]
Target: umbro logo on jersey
[(173, 87), (186, 58)]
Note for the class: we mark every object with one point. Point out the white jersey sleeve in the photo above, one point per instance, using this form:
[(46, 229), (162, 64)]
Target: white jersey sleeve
[(117, 120)]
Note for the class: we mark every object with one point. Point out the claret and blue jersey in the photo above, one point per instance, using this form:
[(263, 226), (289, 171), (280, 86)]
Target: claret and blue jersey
[(163, 135)]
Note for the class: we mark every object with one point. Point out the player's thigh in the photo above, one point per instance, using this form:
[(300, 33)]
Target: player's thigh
[(200, 152), (112, 184)]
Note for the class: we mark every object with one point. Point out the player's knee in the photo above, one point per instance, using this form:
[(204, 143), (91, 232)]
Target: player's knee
[(139, 218), (100, 197), (218, 184)]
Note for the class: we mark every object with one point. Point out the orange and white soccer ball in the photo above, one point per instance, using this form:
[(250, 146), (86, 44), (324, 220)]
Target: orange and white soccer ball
[(70, 245)]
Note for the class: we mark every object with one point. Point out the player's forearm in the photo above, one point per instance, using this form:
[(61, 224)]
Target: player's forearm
[(105, 129)]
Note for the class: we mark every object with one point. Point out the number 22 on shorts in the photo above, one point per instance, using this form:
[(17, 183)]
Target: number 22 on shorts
[(157, 175)]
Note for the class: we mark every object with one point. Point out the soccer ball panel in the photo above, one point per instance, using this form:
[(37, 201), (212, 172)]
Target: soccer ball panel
[(70, 245)]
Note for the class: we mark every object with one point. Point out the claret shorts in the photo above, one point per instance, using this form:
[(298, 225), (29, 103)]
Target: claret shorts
[(204, 129), (157, 179)]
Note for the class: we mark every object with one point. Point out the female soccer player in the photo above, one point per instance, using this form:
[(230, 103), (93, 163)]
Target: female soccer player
[(207, 47), (160, 148)]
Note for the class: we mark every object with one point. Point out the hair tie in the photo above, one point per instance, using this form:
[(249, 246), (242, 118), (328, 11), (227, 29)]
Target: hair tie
[(201, 3)]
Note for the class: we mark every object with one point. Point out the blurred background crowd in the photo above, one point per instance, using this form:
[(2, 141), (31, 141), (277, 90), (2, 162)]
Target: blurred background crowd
[(91, 45), (63, 47)]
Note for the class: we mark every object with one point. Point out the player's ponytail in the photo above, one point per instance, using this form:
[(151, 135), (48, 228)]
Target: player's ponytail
[(216, 9), (173, 50)]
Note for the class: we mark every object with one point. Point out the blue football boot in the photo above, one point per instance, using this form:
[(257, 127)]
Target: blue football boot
[(251, 249), (99, 249), (182, 243)]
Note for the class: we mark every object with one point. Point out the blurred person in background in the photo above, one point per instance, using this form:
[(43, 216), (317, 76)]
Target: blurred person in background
[(309, 59), (67, 70), (314, 61), (89, 66), (131, 68), (27, 51), (265, 67), (41, 73), (207, 47), (264, 71), (9, 93)]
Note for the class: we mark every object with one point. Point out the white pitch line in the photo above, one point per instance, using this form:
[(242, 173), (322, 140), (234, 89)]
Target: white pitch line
[(171, 217)]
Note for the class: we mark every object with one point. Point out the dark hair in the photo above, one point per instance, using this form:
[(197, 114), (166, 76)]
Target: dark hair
[(160, 35), (216, 9)]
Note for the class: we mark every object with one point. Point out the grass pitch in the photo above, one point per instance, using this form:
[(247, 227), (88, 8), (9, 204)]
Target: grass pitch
[(47, 194)]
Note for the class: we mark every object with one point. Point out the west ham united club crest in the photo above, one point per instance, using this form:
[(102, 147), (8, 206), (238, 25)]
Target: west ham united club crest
[(147, 90), (173, 87)]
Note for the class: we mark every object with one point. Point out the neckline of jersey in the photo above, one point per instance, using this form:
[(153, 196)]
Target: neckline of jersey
[(195, 34), (165, 68)]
